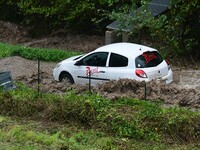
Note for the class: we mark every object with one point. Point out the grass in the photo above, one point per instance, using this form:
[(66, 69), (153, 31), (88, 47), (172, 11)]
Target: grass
[(17, 134), (7, 50), (88, 121)]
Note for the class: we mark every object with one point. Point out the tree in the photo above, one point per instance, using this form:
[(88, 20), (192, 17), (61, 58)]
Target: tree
[(178, 29), (78, 14)]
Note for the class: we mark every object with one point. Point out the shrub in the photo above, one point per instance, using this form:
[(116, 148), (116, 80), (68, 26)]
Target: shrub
[(35, 53)]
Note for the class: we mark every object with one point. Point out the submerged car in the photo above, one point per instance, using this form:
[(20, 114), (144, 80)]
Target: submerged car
[(112, 62)]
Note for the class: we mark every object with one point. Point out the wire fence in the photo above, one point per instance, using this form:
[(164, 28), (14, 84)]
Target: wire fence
[(39, 75), (34, 73)]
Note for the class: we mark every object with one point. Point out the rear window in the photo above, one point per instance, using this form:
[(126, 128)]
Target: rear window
[(118, 60), (148, 59)]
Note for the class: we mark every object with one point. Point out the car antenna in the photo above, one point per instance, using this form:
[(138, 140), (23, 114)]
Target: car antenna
[(140, 48)]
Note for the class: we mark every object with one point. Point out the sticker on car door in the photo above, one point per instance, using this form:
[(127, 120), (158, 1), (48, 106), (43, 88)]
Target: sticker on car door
[(91, 72)]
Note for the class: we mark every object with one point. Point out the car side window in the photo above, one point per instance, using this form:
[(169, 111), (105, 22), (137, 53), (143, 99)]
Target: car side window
[(117, 60), (95, 59)]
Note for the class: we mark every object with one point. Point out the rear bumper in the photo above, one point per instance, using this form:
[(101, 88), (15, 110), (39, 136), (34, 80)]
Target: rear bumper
[(168, 78)]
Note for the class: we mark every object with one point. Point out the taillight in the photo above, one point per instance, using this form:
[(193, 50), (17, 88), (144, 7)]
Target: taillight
[(168, 64), (140, 73)]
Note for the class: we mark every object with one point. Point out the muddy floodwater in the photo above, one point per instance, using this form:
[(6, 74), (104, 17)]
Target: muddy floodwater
[(184, 91)]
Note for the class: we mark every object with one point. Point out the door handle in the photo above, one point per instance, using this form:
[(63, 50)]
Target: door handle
[(101, 71)]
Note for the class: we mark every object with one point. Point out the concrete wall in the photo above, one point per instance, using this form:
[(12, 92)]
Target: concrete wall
[(113, 37)]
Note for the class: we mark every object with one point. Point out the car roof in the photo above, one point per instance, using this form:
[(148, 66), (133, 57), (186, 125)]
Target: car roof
[(126, 49)]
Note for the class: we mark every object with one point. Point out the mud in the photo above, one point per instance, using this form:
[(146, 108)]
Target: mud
[(48, 85), (17, 34), (13, 33), (183, 92), (169, 94)]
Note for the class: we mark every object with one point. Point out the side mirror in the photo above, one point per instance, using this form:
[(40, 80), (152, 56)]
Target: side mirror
[(78, 63)]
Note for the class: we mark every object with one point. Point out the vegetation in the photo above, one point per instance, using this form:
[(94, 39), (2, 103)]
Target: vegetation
[(86, 121), (79, 14), (35, 135), (177, 30), (34, 53), (99, 120)]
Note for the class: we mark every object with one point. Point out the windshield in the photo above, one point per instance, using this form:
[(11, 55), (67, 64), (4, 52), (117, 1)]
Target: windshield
[(148, 59), (78, 57)]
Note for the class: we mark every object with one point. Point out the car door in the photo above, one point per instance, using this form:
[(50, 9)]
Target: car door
[(92, 66), (118, 67)]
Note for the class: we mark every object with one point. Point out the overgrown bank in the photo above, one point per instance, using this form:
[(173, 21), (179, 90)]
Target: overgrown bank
[(35, 135), (126, 118)]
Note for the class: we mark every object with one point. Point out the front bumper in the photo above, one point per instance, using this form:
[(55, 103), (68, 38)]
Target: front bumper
[(56, 74)]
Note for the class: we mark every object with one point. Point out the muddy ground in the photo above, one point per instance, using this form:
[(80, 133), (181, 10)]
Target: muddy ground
[(185, 91), (18, 34)]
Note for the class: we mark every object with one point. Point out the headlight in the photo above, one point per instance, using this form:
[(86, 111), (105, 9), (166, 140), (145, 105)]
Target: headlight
[(58, 65)]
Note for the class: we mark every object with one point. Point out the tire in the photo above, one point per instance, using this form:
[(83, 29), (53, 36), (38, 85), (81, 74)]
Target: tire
[(66, 78)]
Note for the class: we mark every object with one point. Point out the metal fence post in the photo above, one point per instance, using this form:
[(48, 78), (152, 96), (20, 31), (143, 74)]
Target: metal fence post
[(145, 90), (89, 81), (38, 76)]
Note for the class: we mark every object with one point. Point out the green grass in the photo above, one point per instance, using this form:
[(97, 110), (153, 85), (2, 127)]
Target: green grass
[(18, 134), (120, 123), (7, 50), (88, 121)]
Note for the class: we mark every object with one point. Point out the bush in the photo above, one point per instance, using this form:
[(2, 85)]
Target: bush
[(35, 53)]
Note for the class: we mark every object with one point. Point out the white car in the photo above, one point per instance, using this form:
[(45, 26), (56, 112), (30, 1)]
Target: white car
[(114, 61)]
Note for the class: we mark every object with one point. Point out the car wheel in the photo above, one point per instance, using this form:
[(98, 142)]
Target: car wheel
[(66, 78)]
